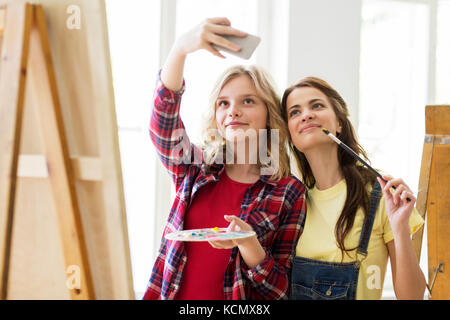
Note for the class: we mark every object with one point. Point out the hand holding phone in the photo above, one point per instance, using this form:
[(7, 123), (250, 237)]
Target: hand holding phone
[(247, 44)]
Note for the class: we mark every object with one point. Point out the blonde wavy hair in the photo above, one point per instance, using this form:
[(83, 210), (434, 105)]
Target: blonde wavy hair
[(266, 90)]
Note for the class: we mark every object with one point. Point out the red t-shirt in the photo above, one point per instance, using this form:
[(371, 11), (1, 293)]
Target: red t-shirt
[(204, 271)]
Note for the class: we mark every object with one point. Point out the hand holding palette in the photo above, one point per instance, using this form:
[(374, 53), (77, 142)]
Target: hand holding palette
[(208, 234)]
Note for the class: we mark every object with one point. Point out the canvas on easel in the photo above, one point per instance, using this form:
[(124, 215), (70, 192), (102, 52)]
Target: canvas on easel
[(433, 199), (64, 169)]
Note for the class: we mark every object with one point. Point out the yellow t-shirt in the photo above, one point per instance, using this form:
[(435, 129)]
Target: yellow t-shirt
[(318, 240)]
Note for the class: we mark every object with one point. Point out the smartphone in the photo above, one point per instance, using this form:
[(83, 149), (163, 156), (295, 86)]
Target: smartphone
[(247, 44)]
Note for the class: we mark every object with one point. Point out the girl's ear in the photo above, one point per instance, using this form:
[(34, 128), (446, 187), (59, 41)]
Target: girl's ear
[(339, 128)]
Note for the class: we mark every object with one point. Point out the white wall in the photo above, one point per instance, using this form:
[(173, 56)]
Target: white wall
[(324, 41)]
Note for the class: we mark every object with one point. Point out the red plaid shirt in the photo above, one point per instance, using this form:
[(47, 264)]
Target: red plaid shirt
[(275, 210)]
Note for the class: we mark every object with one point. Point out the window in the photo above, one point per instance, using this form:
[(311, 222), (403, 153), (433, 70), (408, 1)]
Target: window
[(443, 53), (134, 44), (393, 91)]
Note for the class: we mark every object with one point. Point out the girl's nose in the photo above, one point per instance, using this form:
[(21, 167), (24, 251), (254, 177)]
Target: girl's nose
[(234, 111), (307, 115)]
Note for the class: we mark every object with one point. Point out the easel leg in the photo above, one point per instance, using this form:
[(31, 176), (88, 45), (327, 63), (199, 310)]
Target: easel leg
[(422, 196), (61, 176), (14, 58)]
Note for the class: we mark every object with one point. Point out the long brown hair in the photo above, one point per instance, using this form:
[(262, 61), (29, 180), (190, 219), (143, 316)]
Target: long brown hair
[(356, 176)]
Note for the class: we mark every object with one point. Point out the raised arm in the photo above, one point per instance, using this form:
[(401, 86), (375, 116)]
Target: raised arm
[(166, 128), (200, 37)]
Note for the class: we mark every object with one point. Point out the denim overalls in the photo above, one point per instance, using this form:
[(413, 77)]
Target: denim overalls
[(321, 280)]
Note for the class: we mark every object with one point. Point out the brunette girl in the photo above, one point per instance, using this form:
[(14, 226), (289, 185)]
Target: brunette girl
[(354, 221)]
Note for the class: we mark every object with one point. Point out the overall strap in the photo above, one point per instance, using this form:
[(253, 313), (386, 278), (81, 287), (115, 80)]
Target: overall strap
[(366, 230)]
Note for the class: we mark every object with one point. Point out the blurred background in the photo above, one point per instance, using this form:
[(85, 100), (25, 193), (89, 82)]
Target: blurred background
[(388, 59)]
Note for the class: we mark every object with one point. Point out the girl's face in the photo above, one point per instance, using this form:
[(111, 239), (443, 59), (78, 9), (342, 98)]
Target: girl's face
[(308, 111), (238, 109)]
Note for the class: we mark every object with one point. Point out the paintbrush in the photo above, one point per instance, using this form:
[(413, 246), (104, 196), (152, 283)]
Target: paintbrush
[(353, 154)]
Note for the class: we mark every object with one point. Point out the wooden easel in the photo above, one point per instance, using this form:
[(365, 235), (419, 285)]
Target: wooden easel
[(25, 48), (434, 198)]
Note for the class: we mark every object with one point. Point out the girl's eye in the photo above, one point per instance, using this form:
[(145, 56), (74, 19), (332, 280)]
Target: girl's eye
[(317, 106), (248, 101), (293, 113), (222, 103)]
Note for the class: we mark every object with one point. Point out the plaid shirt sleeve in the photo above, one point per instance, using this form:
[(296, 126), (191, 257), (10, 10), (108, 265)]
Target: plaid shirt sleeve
[(271, 278), (168, 133)]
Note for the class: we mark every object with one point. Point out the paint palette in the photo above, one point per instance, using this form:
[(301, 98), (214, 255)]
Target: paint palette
[(208, 234)]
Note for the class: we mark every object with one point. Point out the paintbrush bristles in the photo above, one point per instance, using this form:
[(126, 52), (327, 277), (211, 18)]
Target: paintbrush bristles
[(328, 133)]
